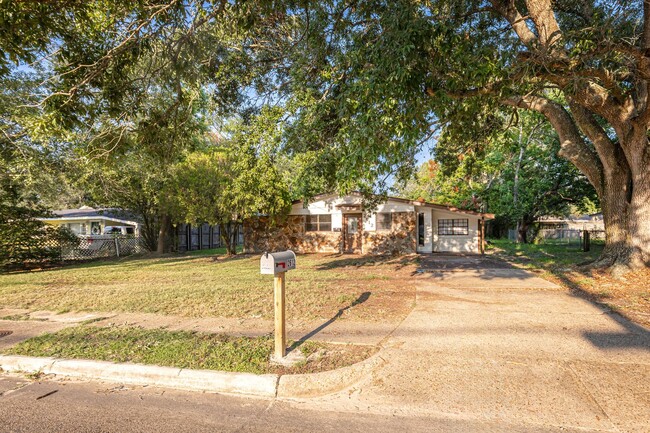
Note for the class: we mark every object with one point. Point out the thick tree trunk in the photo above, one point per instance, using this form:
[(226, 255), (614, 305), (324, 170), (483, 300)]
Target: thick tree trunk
[(227, 237), (233, 240), (162, 234), (625, 201), (639, 208), (614, 203), (522, 232), (618, 169)]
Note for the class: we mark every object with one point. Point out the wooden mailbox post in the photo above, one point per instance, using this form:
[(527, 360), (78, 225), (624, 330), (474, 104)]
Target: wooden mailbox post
[(277, 264)]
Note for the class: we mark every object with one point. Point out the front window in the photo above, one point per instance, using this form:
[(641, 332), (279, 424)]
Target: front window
[(453, 227), (318, 223), (384, 221)]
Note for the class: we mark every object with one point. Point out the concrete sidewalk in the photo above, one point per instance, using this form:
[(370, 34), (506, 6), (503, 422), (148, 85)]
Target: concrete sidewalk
[(13, 332), (333, 330), (516, 351)]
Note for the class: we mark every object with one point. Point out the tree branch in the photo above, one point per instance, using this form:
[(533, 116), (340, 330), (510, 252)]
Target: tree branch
[(508, 10), (610, 155), (131, 35), (572, 145), (645, 42), (542, 14), (582, 85), (598, 99), (643, 92)]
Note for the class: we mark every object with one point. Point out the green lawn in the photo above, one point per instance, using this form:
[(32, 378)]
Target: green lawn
[(545, 256), (184, 349), (203, 284)]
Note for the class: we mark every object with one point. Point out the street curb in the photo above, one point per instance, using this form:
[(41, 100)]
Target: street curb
[(263, 385), (326, 382)]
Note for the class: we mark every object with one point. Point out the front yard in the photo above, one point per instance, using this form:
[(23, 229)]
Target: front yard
[(361, 291), (200, 285), (629, 296)]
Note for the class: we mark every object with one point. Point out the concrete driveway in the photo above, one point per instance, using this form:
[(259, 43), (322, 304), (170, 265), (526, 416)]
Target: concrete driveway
[(465, 270), (487, 342)]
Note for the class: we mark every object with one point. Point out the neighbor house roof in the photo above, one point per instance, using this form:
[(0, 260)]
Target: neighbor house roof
[(574, 218), (86, 212), (416, 203)]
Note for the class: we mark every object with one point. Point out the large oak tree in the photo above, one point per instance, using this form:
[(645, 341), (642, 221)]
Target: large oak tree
[(388, 69), (586, 67), (583, 64), (364, 81)]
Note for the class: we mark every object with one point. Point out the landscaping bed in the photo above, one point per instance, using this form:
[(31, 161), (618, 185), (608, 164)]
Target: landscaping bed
[(184, 349), (629, 295)]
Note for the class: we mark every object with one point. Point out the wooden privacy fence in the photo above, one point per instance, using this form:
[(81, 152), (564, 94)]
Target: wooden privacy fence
[(191, 237)]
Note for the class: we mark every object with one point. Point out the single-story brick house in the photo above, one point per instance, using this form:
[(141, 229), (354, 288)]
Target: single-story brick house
[(337, 224)]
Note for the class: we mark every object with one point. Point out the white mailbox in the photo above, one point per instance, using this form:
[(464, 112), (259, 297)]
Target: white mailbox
[(276, 263)]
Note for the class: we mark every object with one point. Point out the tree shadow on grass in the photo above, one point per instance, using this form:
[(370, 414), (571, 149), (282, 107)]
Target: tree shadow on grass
[(633, 336), (360, 300), (358, 261)]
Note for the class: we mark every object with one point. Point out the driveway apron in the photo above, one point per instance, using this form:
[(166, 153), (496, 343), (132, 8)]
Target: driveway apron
[(489, 342)]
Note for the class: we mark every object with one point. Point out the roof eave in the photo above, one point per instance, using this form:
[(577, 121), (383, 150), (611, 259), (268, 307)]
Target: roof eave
[(417, 203), (91, 217)]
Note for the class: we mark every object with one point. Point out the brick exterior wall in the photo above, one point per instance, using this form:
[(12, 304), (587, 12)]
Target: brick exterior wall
[(259, 236), (401, 239)]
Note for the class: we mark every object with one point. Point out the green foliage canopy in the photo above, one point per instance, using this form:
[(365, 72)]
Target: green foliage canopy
[(231, 181), (519, 177)]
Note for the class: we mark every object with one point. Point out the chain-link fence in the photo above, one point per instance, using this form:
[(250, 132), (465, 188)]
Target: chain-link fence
[(81, 248), (569, 237), (94, 247)]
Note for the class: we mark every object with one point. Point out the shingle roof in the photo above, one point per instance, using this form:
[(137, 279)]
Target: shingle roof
[(88, 212)]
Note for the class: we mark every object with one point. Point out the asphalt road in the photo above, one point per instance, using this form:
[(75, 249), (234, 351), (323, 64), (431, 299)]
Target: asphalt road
[(50, 406)]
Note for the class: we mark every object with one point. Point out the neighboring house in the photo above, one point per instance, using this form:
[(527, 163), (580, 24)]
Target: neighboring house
[(582, 222), (340, 225), (89, 221)]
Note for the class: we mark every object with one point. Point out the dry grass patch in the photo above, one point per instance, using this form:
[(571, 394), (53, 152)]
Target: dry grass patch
[(628, 296), (365, 288)]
